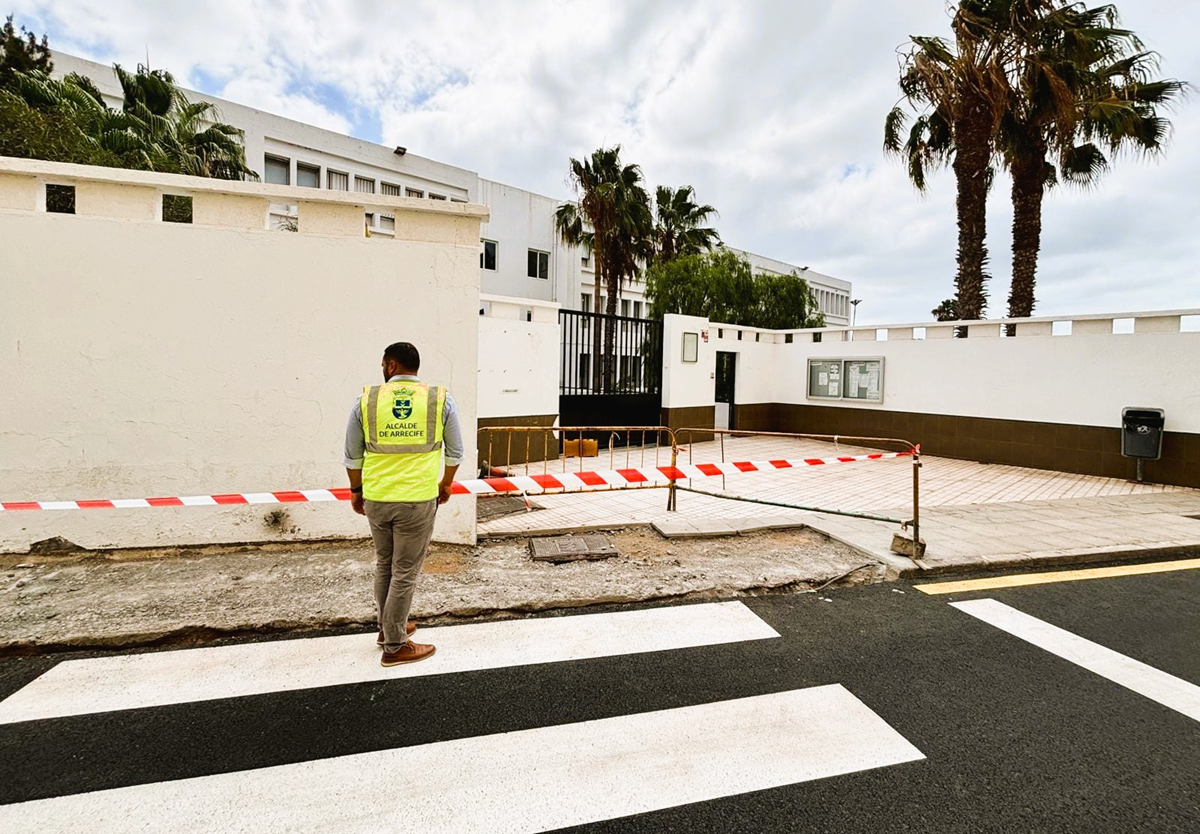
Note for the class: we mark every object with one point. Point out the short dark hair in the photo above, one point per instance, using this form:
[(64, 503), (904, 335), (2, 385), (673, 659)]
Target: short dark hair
[(404, 354)]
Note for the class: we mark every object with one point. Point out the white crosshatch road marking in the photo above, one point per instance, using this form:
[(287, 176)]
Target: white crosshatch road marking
[(104, 684), (525, 781), (1143, 679)]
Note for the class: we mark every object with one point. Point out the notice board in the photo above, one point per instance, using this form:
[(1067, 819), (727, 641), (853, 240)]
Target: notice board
[(846, 379)]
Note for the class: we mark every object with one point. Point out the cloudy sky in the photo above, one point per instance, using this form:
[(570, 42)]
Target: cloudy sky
[(771, 109)]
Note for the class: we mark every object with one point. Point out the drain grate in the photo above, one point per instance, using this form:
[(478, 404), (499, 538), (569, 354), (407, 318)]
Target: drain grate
[(572, 548)]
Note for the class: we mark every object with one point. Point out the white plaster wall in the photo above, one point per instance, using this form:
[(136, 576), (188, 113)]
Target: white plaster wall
[(518, 367), (1080, 379), (143, 358), (755, 374), (687, 384)]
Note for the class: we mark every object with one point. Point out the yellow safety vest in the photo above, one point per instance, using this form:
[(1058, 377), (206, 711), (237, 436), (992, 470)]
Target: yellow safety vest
[(402, 425)]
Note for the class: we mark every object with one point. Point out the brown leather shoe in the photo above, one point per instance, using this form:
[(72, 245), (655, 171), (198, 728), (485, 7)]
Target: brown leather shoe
[(410, 652), (410, 628)]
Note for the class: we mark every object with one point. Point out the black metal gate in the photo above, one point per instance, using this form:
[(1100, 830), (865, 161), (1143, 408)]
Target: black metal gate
[(611, 371)]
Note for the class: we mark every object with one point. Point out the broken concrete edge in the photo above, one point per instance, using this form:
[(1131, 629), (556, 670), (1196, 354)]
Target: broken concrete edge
[(497, 535), (180, 550), (1023, 563), (198, 635)]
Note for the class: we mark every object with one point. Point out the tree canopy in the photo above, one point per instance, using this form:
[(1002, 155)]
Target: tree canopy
[(722, 287)]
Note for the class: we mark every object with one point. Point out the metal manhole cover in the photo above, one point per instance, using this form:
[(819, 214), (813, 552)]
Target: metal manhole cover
[(572, 548)]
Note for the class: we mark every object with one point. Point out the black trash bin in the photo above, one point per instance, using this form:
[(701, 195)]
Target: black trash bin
[(1142, 433)]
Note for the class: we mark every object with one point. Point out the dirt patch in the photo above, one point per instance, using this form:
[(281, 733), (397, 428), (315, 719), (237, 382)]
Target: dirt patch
[(134, 598)]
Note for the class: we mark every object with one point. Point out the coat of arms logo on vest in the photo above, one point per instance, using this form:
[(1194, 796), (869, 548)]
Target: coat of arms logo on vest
[(402, 406)]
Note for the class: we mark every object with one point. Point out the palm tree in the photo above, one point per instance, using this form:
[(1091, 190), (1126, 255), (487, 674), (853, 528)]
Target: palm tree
[(1083, 81), (612, 218), (156, 129), (961, 92), (678, 227), (178, 135)]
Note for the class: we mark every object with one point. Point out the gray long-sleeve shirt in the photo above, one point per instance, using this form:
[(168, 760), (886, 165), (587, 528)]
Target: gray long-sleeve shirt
[(356, 442)]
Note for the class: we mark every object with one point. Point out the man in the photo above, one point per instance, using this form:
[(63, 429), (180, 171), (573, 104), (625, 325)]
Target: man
[(394, 442)]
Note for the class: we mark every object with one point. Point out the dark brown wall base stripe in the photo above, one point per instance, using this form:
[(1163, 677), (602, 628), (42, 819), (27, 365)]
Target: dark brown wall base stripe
[(504, 449), (698, 417), (1086, 450)]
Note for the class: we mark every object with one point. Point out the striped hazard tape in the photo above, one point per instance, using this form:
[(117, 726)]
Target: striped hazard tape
[(557, 482)]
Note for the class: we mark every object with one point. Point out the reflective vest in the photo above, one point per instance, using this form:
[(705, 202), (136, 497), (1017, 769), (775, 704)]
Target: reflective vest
[(402, 425)]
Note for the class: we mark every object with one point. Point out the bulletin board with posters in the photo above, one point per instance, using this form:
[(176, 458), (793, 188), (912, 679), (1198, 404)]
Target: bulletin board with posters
[(825, 379), (860, 380)]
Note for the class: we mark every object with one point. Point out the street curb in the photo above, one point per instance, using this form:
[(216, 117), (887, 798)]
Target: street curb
[(1083, 556)]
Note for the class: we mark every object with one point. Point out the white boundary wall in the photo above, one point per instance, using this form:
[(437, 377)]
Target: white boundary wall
[(140, 358), (1084, 378), (518, 358)]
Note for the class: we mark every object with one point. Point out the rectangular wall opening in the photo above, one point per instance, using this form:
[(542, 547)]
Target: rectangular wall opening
[(60, 199), (176, 208)]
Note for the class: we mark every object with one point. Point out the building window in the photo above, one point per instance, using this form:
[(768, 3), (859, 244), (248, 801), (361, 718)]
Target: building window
[(539, 264), (387, 189), (637, 309), (788, 338), (387, 221), (337, 181), (277, 170), (176, 208), (413, 192), (457, 200), (362, 185), (308, 176), (437, 197), (487, 258), (625, 307), (60, 199), (817, 336)]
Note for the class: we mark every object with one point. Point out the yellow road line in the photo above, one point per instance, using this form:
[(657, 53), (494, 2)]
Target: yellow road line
[(1019, 579)]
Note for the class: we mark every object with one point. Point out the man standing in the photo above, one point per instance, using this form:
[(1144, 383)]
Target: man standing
[(393, 455)]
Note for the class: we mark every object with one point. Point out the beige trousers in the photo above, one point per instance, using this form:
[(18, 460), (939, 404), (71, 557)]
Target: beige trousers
[(401, 532)]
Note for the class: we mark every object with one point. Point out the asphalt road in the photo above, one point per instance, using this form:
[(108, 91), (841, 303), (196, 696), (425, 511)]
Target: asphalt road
[(1013, 737)]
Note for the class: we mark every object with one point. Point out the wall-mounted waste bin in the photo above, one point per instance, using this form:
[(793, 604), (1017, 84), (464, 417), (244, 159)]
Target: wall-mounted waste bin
[(1142, 433)]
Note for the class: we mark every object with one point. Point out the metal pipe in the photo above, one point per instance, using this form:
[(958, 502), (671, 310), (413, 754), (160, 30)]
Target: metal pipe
[(794, 506), (916, 504)]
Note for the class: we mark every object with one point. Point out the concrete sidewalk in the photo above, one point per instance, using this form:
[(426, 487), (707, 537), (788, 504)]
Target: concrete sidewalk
[(973, 515)]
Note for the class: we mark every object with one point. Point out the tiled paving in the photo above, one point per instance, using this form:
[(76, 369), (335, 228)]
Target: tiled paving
[(880, 487)]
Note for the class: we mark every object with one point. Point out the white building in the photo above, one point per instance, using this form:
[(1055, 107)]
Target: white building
[(521, 255)]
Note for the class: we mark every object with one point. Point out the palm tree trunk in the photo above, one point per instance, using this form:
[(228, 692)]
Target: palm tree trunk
[(610, 331), (972, 154), (599, 323), (1028, 179)]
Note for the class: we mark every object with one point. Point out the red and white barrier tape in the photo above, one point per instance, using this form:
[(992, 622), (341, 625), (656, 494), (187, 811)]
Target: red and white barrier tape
[(599, 479)]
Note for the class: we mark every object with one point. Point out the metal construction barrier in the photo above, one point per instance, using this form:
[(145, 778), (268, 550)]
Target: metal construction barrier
[(520, 458), (685, 439)]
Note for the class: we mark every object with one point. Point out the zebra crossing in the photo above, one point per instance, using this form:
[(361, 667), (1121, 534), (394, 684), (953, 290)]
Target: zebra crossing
[(534, 779), (888, 706)]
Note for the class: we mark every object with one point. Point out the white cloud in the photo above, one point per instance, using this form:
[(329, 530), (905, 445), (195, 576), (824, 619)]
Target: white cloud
[(773, 110)]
